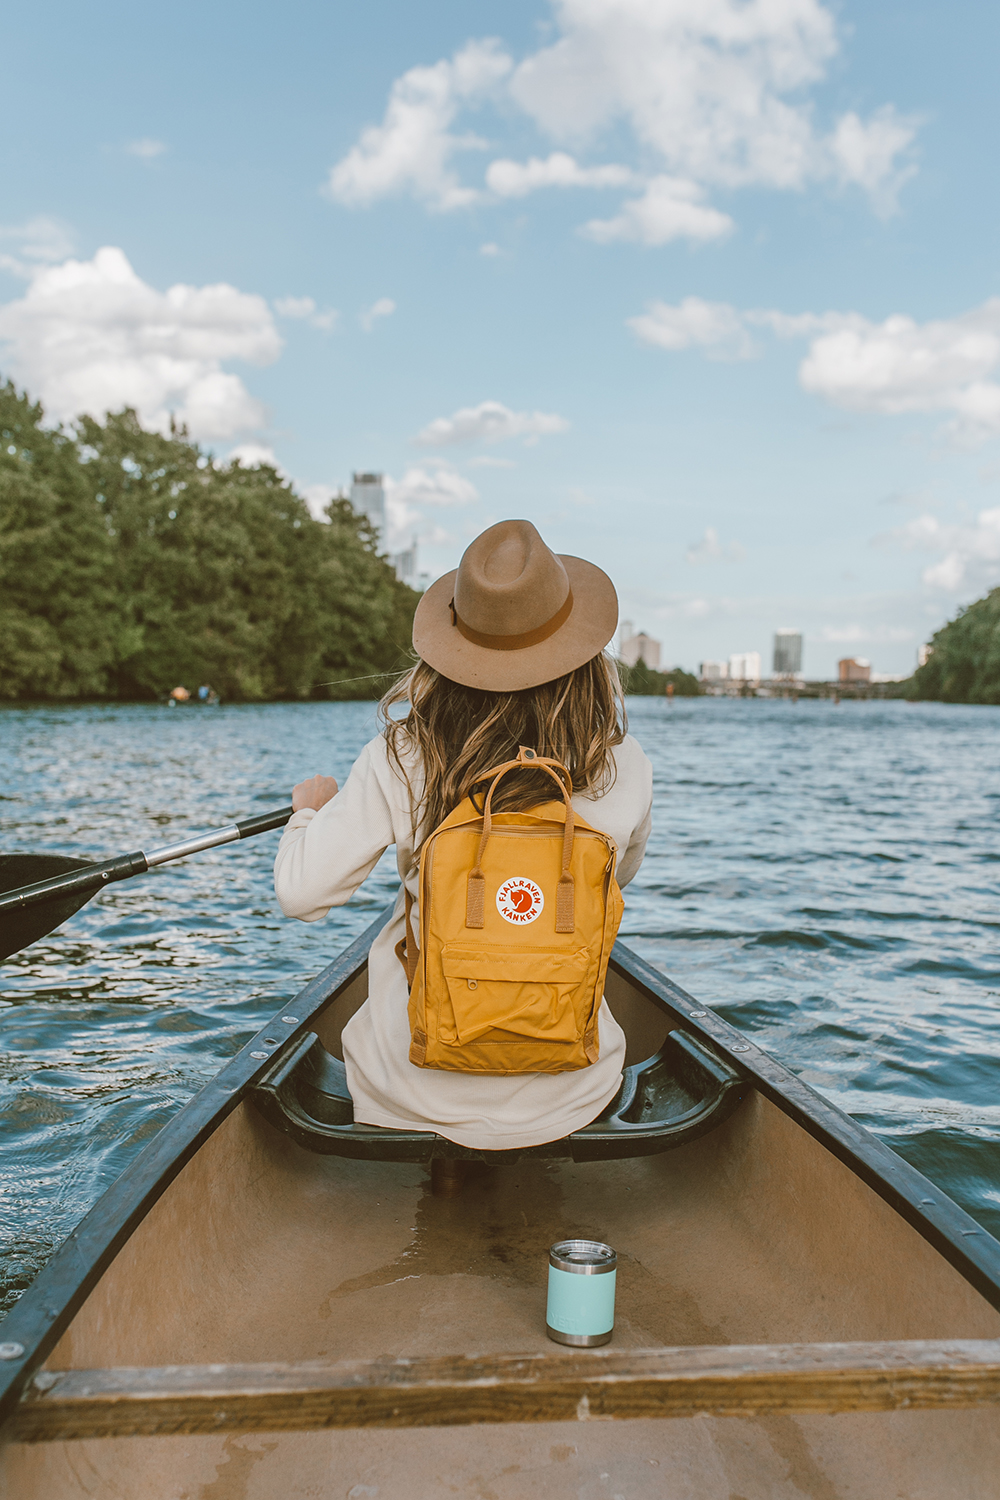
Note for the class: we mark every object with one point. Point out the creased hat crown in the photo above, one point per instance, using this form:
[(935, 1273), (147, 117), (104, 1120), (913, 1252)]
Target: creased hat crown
[(509, 582), (514, 613)]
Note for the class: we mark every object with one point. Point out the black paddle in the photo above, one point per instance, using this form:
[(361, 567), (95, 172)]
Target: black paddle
[(60, 886)]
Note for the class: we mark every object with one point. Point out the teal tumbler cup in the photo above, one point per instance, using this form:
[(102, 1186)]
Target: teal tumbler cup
[(581, 1305)]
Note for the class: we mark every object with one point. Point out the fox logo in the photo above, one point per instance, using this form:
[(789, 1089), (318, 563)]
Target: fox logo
[(519, 901)]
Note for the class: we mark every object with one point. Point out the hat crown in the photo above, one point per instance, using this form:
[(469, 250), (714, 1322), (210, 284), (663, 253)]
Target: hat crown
[(509, 581)]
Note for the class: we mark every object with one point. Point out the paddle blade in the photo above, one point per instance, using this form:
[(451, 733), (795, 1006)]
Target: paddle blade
[(18, 929)]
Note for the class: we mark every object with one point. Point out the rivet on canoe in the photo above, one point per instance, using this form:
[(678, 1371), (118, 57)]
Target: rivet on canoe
[(258, 1054), (290, 1020), (699, 1012), (741, 1047), (11, 1351)]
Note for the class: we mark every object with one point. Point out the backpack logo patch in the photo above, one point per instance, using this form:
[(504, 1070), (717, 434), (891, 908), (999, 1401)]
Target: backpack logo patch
[(519, 901)]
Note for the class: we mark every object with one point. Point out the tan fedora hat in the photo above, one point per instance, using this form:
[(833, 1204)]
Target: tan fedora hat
[(514, 614)]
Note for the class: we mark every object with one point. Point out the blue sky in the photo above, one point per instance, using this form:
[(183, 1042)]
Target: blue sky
[(701, 287)]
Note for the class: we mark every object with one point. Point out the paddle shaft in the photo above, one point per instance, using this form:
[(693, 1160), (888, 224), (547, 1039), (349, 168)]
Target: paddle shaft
[(94, 877)]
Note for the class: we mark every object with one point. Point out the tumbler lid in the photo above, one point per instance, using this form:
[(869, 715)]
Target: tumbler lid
[(583, 1257)]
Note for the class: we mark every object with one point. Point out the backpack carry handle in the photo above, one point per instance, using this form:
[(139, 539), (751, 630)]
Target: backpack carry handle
[(475, 902)]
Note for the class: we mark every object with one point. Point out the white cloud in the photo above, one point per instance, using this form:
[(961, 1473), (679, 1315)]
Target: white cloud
[(255, 455), (711, 93), (39, 241), (439, 486), (670, 209), (435, 487), (489, 248), (900, 365), (490, 422), (412, 150), (970, 550), (710, 549), (867, 153), (146, 149), (294, 307), (383, 308), (490, 461), (724, 331), (513, 179), (305, 309), (91, 336), (705, 86), (893, 367), (713, 326)]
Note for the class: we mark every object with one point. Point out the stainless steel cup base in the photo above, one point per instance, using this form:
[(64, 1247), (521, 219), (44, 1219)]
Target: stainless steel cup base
[(579, 1340)]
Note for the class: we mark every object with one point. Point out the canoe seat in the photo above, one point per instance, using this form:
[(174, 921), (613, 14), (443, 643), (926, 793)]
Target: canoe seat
[(682, 1091)]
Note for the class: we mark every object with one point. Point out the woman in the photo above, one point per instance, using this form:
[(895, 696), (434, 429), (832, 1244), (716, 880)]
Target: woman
[(511, 651)]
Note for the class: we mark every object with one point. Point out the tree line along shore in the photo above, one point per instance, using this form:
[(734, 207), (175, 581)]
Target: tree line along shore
[(133, 562)]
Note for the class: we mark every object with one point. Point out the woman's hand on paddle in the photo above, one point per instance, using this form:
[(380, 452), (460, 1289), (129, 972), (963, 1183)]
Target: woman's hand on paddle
[(315, 793)]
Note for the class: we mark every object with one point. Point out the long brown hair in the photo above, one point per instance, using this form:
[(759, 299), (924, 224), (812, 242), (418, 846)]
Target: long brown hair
[(460, 733)]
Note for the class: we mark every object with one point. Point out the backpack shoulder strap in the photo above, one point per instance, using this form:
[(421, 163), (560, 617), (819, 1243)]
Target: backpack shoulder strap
[(406, 949)]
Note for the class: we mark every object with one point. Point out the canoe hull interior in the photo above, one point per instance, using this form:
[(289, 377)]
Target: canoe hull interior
[(261, 1251)]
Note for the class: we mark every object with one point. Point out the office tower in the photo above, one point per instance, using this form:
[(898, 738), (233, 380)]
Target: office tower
[(368, 499), (744, 666), (787, 653)]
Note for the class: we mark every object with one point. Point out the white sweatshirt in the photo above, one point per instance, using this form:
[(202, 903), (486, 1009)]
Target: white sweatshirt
[(322, 859)]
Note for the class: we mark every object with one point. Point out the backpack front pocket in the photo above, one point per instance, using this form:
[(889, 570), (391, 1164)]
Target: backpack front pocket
[(502, 995)]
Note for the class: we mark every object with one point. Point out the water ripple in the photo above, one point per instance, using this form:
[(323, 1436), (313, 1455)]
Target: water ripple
[(820, 874)]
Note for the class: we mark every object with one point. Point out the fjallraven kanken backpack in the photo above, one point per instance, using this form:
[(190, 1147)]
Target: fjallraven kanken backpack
[(518, 913)]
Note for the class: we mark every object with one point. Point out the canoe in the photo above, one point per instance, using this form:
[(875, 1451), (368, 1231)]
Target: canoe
[(274, 1301)]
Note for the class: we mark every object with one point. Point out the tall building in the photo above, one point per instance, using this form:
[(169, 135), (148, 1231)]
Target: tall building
[(787, 653), (368, 499), (638, 647), (744, 666), (405, 564), (854, 669)]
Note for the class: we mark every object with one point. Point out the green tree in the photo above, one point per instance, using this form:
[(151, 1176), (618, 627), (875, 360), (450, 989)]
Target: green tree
[(964, 664), (646, 681), (131, 562), (57, 604), (226, 578)]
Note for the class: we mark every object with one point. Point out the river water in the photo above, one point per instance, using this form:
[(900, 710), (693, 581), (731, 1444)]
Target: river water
[(826, 876)]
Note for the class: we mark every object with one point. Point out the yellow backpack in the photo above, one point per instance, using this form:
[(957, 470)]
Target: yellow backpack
[(518, 913)]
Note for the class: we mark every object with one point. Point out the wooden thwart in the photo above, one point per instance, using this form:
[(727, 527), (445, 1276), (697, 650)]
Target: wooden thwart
[(734, 1380)]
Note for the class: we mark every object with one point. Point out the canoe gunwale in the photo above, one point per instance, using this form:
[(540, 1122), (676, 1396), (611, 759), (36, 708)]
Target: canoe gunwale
[(459, 1390), (42, 1315)]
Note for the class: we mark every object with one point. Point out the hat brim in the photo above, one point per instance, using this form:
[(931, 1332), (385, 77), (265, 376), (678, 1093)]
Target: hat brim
[(591, 624)]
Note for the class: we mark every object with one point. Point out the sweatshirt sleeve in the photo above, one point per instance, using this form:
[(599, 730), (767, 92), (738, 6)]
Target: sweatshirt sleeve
[(324, 856), (628, 865)]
